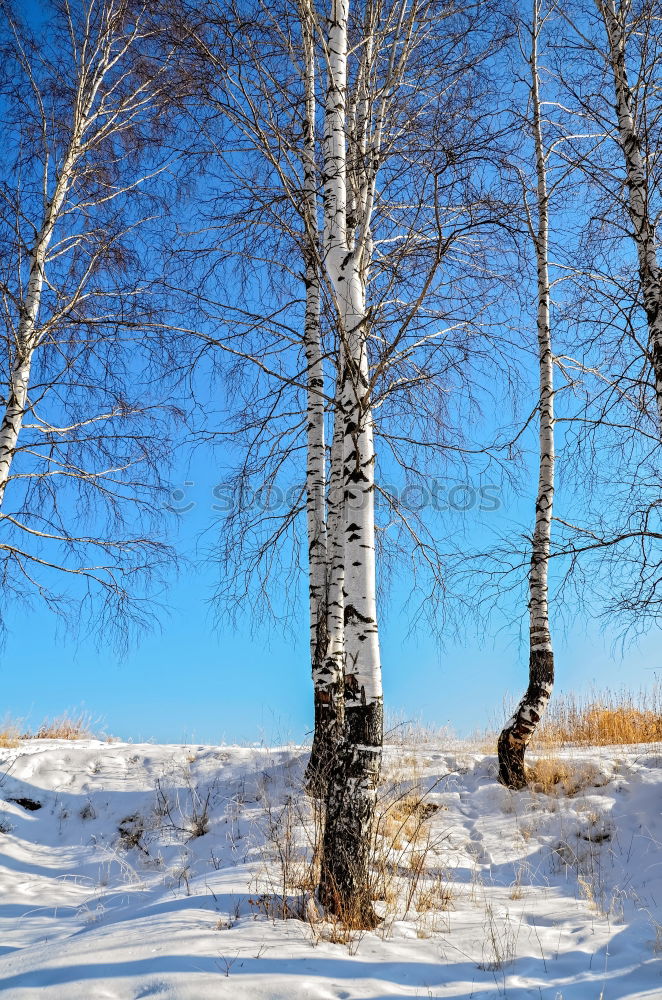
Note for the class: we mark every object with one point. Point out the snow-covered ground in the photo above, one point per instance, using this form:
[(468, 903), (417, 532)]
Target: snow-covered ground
[(106, 893)]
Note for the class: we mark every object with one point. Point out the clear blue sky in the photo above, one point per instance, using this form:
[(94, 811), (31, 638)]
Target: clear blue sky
[(196, 681)]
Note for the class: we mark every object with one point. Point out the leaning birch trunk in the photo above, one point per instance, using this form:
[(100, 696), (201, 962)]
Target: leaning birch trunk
[(517, 733), (351, 794), (101, 58), (26, 336), (635, 172)]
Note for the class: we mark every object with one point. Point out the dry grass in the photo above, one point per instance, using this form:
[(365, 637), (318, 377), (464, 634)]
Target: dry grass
[(68, 726), (552, 776), (402, 731), (64, 727), (602, 719), (405, 872), (10, 733), (435, 895), (402, 822)]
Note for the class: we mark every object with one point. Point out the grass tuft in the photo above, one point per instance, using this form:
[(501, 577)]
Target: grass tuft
[(552, 776), (10, 733), (64, 727)]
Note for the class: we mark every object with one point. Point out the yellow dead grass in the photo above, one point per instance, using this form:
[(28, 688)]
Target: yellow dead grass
[(601, 718), (68, 726), (552, 776), (64, 727), (10, 733), (606, 720)]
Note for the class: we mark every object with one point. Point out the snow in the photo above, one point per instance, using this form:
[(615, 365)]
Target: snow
[(552, 897)]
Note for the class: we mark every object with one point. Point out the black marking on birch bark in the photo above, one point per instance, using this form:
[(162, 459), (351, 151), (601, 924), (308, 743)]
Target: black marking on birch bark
[(352, 615), (351, 685)]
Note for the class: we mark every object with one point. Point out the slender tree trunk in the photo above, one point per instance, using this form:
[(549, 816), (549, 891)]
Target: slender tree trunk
[(635, 172), (326, 680), (17, 401), (351, 795), (328, 674), (517, 733), (363, 687)]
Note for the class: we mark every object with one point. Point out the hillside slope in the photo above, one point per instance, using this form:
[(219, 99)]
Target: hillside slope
[(135, 871)]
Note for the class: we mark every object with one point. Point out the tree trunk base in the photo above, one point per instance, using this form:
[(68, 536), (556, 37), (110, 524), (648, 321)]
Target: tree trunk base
[(511, 761), (516, 735), (345, 877)]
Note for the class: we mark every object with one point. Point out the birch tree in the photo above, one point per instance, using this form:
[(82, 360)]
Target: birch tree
[(355, 771), (84, 113), (326, 551), (622, 22), (268, 93), (380, 258), (606, 65), (267, 96), (515, 737), (383, 71)]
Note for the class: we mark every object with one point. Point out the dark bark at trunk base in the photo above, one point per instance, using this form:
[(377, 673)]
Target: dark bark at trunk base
[(515, 737), (345, 878), (511, 761), (326, 737), (345, 888)]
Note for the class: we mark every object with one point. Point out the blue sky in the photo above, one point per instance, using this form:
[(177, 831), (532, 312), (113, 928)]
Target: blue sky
[(197, 680), (194, 684)]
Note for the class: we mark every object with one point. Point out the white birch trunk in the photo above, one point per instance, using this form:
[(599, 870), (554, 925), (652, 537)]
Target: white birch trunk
[(336, 567), (26, 334), (346, 270), (315, 472), (635, 172), (363, 682), (344, 884), (517, 733), (326, 669)]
